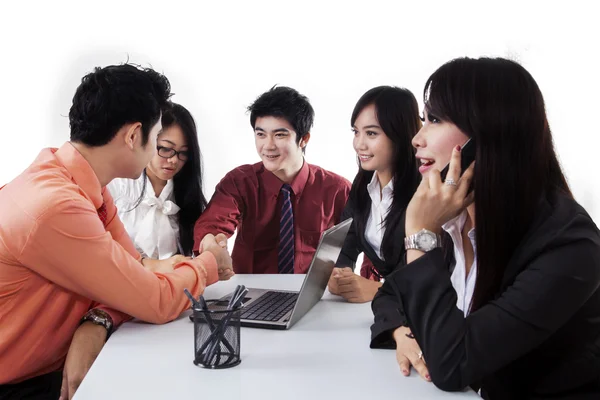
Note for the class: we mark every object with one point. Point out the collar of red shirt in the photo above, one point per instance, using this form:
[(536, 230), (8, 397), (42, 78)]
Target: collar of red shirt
[(273, 184), (81, 172)]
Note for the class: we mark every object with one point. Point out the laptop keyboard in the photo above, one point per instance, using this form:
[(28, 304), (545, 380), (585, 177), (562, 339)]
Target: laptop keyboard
[(271, 306)]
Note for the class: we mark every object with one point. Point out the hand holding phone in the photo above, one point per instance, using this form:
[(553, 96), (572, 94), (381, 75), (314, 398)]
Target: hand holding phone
[(467, 156)]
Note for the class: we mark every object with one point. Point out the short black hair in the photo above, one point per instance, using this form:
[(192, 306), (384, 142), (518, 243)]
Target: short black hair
[(113, 96), (284, 102)]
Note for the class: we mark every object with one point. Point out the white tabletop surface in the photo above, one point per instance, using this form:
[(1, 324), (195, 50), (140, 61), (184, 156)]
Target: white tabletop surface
[(325, 355)]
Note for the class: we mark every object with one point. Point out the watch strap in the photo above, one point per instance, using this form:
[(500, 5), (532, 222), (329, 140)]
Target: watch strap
[(99, 317)]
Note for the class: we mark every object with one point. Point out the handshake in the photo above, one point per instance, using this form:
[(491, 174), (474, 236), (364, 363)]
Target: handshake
[(217, 245)]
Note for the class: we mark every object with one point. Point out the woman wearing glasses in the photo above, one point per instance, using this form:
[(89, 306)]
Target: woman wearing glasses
[(160, 208)]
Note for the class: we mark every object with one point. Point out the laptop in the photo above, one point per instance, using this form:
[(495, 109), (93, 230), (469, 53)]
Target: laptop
[(281, 309)]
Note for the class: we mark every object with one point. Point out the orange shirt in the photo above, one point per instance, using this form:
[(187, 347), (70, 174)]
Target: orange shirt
[(58, 260)]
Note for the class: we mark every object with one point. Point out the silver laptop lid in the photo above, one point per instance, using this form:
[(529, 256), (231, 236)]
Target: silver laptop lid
[(320, 269)]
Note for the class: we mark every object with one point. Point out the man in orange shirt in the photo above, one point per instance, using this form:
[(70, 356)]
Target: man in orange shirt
[(69, 274)]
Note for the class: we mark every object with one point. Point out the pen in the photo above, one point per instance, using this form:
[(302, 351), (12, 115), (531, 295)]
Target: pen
[(195, 303), (218, 334), (212, 327)]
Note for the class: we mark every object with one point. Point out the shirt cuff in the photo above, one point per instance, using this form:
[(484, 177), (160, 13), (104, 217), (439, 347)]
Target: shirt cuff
[(382, 335), (207, 262)]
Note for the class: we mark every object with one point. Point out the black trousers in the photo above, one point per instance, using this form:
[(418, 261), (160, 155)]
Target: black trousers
[(43, 387)]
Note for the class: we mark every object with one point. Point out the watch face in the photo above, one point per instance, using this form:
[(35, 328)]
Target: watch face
[(426, 241)]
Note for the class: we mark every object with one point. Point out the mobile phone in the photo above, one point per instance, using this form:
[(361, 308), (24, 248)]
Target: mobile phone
[(467, 156)]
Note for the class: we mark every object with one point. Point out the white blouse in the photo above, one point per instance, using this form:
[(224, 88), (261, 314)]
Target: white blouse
[(381, 202), (463, 284), (152, 225)]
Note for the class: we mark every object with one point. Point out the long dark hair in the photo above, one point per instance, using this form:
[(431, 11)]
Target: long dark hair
[(398, 115), (187, 183), (497, 102)]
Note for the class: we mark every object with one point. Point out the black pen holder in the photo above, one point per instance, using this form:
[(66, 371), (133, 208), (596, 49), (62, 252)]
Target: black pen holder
[(217, 337)]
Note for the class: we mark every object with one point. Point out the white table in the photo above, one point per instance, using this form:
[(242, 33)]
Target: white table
[(325, 355)]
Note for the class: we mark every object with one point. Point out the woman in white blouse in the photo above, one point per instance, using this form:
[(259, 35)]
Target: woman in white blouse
[(384, 122), (160, 208)]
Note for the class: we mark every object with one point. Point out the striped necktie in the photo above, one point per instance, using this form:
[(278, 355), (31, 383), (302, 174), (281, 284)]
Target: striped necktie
[(102, 213), (286, 233)]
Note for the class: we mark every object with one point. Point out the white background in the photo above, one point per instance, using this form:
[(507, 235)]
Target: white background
[(219, 56)]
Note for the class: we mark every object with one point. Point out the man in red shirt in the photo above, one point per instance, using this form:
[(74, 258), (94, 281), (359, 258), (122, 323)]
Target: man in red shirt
[(279, 206)]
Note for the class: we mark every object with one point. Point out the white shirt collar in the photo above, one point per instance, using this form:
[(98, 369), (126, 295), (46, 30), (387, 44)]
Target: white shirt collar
[(381, 202), (165, 194), (373, 188), (455, 226), (463, 284)]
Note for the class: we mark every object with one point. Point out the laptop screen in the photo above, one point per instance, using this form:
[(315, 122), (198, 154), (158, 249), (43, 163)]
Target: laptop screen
[(320, 270)]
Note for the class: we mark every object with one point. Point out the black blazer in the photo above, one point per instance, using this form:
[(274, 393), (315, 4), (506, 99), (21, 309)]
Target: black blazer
[(540, 336), (356, 243)]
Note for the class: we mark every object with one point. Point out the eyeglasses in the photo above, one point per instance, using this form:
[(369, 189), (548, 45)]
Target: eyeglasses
[(167, 152)]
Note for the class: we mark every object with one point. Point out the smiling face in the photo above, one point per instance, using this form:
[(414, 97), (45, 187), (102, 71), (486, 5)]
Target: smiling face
[(276, 145), (435, 141), (373, 147)]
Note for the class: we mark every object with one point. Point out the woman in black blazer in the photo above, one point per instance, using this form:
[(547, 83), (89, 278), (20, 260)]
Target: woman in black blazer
[(532, 329), (384, 121)]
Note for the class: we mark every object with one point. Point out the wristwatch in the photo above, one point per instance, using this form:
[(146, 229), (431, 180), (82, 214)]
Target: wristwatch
[(423, 240), (99, 317)]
